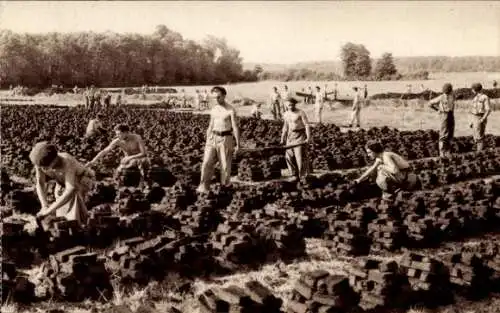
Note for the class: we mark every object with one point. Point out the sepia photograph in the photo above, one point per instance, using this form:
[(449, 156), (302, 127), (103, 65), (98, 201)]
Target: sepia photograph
[(250, 156)]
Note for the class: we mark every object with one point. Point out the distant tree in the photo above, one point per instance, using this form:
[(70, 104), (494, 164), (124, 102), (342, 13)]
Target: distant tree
[(355, 60), (385, 68)]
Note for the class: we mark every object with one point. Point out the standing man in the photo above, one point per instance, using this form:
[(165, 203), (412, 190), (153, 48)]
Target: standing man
[(296, 131), (311, 96), (445, 105), (275, 103), (204, 103), (356, 108), (72, 178), (135, 152), (223, 139), (480, 110), (285, 95), (365, 92), (318, 104)]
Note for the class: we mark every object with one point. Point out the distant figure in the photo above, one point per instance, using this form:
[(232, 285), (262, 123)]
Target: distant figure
[(256, 113), (356, 108), (310, 98), (318, 104), (422, 88), (106, 99), (205, 98), (197, 100), (408, 89), (75, 89), (120, 97), (285, 94), (445, 106), (480, 110), (296, 131), (72, 178), (335, 91), (494, 84), (365, 92), (276, 103), (95, 126)]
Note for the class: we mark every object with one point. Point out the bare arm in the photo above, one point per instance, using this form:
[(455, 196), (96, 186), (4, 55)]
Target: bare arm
[(284, 131), (432, 103), (306, 125), (235, 127), (370, 170), (210, 127), (69, 190), (487, 108), (105, 151), (41, 187)]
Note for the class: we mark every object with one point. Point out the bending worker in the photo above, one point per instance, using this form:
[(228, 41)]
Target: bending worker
[(479, 111), (223, 139), (296, 130), (445, 105), (133, 147), (393, 171), (70, 176)]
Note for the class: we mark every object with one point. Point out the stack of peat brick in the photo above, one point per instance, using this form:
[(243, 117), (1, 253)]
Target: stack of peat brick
[(201, 217), (468, 272), (102, 226), (320, 292), (177, 198), (132, 200), (147, 224), (421, 230), (378, 283), (234, 247), (387, 231), (16, 286), (79, 275), (102, 192), (17, 244), (347, 232), (63, 234), (428, 278), (253, 298)]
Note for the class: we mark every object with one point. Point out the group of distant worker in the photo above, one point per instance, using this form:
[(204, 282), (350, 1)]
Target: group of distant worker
[(318, 99), (393, 172)]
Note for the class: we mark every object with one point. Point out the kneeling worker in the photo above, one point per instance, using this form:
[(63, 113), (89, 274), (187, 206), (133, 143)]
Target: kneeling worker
[(69, 174), (223, 139), (296, 131), (133, 147), (394, 173)]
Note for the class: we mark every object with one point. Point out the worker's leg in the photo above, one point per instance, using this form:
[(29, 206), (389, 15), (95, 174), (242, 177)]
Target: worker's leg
[(358, 115), (225, 151), (353, 118), (444, 134), (291, 162), (207, 167), (478, 129)]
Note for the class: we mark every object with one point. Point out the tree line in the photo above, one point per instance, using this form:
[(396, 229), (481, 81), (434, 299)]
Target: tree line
[(116, 60)]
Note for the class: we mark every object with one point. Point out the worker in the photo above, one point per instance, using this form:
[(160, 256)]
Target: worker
[(275, 103), (445, 105), (204, 103), (479, 112), (73, 182), (318, 104), (356, 108), (223, 139), (198, 100), (394, 173), (256, 113), (95, 126), (311, 96), (365, 92), (284, 95), (135, 153), (296, 131)]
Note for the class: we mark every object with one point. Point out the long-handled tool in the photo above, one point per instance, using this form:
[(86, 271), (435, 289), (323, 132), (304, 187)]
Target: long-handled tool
[(277, 148)]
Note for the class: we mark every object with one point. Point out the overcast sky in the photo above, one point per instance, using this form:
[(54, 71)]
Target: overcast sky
[(283, 32)]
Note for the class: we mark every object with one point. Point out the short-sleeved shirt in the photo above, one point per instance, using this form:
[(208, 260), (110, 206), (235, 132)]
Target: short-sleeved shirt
[(480, 104)]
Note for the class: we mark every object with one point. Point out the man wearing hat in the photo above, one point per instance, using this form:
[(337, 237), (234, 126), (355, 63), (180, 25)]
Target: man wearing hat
[(296, 131), (445, 105), (480, 110), (135, 151), (69, 174), (223, 139)]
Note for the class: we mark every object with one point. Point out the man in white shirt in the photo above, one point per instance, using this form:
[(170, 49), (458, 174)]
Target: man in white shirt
[(356, 108), (276, 103)]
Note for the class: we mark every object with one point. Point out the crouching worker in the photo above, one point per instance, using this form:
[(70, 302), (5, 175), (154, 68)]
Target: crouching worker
[(394, 173), (133, 147), (69, 174), (296, 131)]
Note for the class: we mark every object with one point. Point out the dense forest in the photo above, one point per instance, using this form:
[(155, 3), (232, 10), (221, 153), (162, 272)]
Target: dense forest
[(111, 59)]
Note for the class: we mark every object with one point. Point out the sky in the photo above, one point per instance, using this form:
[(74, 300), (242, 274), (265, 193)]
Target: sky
[(283, 32)]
